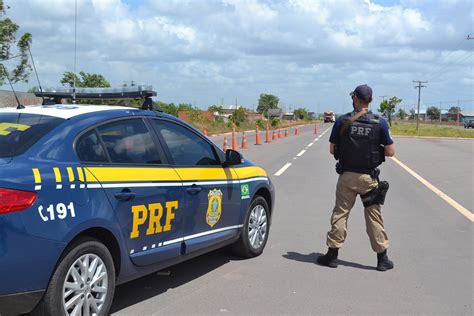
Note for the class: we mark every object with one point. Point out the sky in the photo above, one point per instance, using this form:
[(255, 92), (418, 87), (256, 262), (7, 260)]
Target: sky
[(309, 53)]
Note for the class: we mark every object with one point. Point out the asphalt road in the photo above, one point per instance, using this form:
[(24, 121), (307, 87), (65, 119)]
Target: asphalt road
[(431, 243)]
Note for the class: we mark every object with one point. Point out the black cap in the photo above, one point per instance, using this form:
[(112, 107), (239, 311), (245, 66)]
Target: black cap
[(363, 92)]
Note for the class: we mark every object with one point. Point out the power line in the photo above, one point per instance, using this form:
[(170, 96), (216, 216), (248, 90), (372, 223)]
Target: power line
[(419, 86), (442, 64)]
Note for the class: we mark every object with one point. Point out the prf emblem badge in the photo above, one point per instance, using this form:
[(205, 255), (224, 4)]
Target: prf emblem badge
[(214, 209)]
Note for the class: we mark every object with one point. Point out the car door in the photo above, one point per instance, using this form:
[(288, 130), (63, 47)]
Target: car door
[(212, 192), (146, 194)]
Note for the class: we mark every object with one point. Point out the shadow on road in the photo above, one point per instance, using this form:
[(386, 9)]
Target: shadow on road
[(311, 258), (151, 285)]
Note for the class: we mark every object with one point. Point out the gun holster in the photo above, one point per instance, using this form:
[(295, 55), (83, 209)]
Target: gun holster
[(339, 168), (376, 196)]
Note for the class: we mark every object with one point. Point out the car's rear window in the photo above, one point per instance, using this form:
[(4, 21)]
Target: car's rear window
[(19, 131)]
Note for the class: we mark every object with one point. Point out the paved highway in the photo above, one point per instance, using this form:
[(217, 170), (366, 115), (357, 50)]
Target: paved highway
[(430, 234)]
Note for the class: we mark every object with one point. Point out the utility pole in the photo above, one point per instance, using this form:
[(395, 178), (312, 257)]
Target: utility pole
[(419, 86), (440, 112), (458, 110)]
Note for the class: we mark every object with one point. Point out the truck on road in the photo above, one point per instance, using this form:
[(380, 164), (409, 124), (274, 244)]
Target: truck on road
[(329, 117)]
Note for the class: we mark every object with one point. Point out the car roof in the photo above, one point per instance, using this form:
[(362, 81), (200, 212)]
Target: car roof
[(65, 111)]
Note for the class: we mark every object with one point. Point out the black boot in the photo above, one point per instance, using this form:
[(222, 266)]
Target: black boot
[(383, 263), (329, 259)]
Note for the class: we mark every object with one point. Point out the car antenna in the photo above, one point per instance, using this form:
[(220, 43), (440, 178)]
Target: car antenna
[(36, 73), (19, 106)]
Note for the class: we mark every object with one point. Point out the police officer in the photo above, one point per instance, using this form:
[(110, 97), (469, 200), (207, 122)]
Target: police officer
[(360, 140)]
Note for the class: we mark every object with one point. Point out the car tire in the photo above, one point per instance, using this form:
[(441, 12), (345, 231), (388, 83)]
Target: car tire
[(254, 235), (97, 257)]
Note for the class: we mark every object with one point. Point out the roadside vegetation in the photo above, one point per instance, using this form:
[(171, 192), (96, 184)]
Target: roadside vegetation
[(409, 129), (242, 119)]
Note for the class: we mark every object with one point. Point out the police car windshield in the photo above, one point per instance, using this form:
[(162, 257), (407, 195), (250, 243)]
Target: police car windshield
[(19, 131)]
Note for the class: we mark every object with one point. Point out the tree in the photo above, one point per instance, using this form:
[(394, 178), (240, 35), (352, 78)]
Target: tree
[(168, 108), (401, 114), (8, 30), (387, 107), (239, 116), (433, 112), (215, 108), (301, 114), (454, 110), (266, 102), (87, 80)]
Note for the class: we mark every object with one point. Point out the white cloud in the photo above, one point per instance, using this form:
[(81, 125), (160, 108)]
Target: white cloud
[(307, 52)]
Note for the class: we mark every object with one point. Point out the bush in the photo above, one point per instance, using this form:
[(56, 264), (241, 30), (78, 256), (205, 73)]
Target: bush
[(275, 122)]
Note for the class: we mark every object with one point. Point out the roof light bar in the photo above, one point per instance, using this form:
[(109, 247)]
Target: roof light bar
[(134, 92)]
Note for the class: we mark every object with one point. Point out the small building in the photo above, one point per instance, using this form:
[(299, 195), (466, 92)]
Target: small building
[(288, 116), (466, 116)]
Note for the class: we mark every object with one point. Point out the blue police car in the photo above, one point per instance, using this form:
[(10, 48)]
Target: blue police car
[(95, 196)]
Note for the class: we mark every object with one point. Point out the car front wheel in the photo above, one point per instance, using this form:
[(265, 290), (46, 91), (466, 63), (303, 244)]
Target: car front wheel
[(83, 282), (254, 234)]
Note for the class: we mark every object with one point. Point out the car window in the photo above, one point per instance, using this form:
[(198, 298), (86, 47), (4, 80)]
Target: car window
[(186, 148), (89, 148), (20, 131), (129, 141)]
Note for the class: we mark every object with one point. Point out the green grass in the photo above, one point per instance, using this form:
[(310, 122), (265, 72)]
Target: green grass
[(409, 129)]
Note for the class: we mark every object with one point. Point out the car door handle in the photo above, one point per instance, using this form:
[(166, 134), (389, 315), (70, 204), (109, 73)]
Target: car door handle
[(194, 189), (125, 195)]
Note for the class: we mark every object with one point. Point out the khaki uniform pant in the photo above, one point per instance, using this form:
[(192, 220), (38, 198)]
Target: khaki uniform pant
[(348, 186)]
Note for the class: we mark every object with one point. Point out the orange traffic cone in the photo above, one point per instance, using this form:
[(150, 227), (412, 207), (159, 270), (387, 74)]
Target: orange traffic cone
[(274, 137), (296, 131), (224, 147), (257, 136), (286, 132), (267, 136), (244, 141), (205, 131), (234, 140), (280, 135), (315, 129)]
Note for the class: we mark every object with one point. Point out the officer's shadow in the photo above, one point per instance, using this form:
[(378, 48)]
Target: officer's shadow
[(311, 258)]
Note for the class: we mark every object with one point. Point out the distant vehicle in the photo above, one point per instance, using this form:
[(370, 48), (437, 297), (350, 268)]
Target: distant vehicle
[(329, 117), (469, 123), (94, 196)]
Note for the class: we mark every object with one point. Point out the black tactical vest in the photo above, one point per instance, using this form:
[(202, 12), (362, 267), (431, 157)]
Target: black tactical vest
[(360, 143)]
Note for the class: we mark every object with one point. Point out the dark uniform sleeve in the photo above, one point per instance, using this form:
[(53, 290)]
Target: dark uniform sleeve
[(335, 133), (386, 138)]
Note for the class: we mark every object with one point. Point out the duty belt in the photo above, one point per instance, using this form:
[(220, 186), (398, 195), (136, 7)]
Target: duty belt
[(374, 173)]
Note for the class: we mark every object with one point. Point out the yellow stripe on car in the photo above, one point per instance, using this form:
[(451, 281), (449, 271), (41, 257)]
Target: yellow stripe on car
[(106, 174), (57, 174), (118, 174), (37, 175), (248, 172)]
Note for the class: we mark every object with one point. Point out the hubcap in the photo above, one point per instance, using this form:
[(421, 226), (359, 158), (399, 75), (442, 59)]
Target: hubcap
[(85, 286), (257, 226)]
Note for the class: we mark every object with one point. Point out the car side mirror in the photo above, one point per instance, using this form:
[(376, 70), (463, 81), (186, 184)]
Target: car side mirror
[(233, 158)]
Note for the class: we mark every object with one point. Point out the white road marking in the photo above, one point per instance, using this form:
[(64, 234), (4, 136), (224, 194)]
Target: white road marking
[(301, 153), (310, 144), (283, 169), (461, 209)]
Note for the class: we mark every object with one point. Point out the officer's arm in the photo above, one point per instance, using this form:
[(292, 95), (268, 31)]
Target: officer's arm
[(389, 150), (332, 148)]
